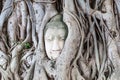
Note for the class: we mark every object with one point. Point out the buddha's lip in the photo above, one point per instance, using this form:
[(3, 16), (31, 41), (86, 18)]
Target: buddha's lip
[(54, 52)]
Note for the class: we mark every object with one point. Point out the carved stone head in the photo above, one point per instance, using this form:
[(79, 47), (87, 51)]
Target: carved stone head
[(55, 34)]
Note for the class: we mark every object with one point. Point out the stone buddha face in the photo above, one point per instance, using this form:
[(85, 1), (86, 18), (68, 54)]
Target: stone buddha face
[(55, 35)]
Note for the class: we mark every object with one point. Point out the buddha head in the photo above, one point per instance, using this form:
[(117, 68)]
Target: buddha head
[(55, 34)]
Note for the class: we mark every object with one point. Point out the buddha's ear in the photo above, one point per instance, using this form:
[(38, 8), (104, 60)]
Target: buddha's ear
[(57, 18)]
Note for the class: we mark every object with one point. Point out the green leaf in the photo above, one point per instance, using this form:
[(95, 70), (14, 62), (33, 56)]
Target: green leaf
[(27, 45)]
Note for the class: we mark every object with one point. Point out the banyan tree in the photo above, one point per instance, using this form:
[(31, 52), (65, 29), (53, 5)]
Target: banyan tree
[(60, 40)]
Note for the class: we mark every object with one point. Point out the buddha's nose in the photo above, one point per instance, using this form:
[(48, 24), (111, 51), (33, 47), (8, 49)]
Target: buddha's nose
[(56, 46)]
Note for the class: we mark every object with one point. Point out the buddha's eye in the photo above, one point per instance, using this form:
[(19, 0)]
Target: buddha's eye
[(62, 38), (49, 38)]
